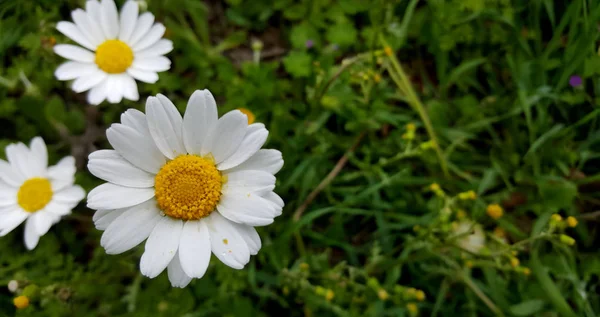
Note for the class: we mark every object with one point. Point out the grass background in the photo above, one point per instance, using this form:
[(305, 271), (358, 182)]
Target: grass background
[(493, 79)]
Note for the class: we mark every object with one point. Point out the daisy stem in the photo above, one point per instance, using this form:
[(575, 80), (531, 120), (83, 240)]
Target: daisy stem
[(404, 85)]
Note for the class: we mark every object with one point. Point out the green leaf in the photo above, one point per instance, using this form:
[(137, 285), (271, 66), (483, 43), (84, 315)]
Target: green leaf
[(302, 33), (298, 64), (527, 308), (557, 192), (342, 34)]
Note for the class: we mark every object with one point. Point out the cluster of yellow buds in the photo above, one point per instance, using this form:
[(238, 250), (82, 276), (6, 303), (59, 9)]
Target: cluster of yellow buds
[(495, 211), (412, 308), (557, 222), (410, 293), (427, 145), (327, 293)]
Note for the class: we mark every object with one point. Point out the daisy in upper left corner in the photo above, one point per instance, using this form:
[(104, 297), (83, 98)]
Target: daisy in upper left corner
[(34, 193), (117, 50)]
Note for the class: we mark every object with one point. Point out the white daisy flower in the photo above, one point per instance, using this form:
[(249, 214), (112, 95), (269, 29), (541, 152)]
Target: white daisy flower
[(188, 185), (118, 48), (32, 191), (470, 236)]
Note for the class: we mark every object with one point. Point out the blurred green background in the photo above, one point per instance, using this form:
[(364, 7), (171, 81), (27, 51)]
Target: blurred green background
[(486, 88)]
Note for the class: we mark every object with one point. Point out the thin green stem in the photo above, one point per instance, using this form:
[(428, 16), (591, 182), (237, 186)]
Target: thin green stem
[(488, 302)]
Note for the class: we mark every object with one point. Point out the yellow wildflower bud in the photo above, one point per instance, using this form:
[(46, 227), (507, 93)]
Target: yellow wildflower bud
[(411, 127), (427, 145), (329, 295), (499, 232), (566, 239), (572, 222), (556, 218), (21, 302), (377, 78), (388, 51), (412, 309), (420, 295), (434, 187), (304, 266), (495, 211), (468, 195), (383, 294), (526, 271), (514, 262), (249, 114), (411, 292), (319, 290)]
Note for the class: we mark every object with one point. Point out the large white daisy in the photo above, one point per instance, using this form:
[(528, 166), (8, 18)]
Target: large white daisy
[(117, 50), (32, 191), (188, 185)]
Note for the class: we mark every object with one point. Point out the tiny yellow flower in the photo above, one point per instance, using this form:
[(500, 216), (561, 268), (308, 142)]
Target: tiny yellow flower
[(468, 195), (249, 114), (21, 302), (388, 51), (411, 292), (556, 218), (329, 295), (572, 222), (495, 211), (383, 294), (412, 308), (434, 187), (377, 78), (427, 145), (420, 295), (411, 127), (514, 262), (319, 290), (526, 271)]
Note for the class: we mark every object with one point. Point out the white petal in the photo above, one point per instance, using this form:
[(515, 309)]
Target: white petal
[(226, 242), (250, 181), (63, 170), (161, 47), (153, 64), (114, 88), (8, 194), (71, 195), (143, 24), (200, 117), (18, 155), (31, 236), (130, 228), (104, 217), (130, 90), (177, 276), (109, 18), (97, 94), (72, 70), (38, 160), (112, 167), (75, 53), (194, 248), (111, 196), (155, 33), (59, 208), (253, 140), (246, 208), (225, 137), (138, 149), (143, 75), (10, 175), (161, 246), (89, 28), (274, 199), (88, 81), (135, 119), (72, 31), (251, 237), (93, 10), (264, 160), (11, 219), (42, 221), (129, 15), (164, 122)]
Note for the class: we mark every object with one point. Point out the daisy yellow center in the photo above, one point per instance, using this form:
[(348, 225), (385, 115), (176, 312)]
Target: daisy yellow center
[(34, 194), (188, 187), (114, 56)]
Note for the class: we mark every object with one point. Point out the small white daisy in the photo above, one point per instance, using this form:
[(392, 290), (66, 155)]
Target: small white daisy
[(32, 191), (117, 50), (470, 236), (188, 185)]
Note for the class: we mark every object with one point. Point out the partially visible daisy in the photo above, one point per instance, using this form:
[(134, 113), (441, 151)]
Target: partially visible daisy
[(190, 186), (33, 192), (470, 236), (117, 48)]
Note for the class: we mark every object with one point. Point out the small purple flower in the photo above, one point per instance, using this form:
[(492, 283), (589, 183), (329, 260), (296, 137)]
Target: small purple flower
[(309, 43), (575, 81)]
